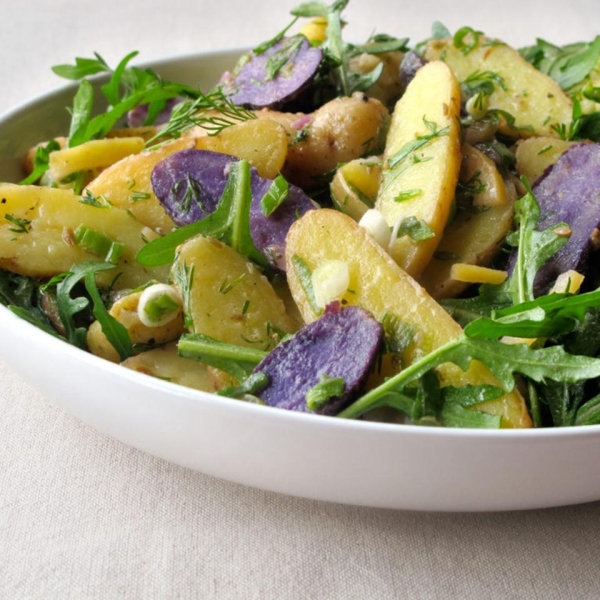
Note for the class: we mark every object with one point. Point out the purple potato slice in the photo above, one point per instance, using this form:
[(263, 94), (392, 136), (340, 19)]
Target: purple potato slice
[(189, 185), (411, 62), (569, 191), (343, 343), (275, 77)]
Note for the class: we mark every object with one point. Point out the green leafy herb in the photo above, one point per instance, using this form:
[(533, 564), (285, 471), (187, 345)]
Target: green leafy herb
[(83, 67), (416, 229), (184, 278), (275, 196), (69, 307), (226, 286), (96, 201), (193, 189), (238, 361), (304, 275), (20, 225), (407, 195), (41, 161), (213, 112), (400, 161), (283, 57), (327, 388), (503, 360), (249, 387), (567, 65), (115, 331), (534, 248)]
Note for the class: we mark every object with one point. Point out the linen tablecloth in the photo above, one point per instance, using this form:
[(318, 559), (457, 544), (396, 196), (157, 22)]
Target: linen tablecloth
[(85, 516)]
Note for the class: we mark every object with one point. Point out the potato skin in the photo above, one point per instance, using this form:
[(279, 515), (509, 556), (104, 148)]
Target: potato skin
[(338, 132)]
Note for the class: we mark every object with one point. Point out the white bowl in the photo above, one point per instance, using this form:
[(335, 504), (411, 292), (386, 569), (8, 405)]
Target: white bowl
[(360, 463)]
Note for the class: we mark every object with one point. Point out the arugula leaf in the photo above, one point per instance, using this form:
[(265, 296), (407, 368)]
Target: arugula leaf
[(588, 413), (19, 294), (69, 307), (111, 90), (546, 316), (534, 248), (114, 330), (503, 360), (82, 111), (455, 415), (567, 65), (83, 67), (41, 161), (275, 196), (229, 223)]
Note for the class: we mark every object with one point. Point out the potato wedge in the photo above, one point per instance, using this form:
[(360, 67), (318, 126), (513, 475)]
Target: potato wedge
[(534, 155), (381, 287), (166, 364), (338, 132), (354, 186), (127, 185), (226, 297), (537, 102), (478, 229), (263, 143), (37, 235), (95, 154), (421, 163)]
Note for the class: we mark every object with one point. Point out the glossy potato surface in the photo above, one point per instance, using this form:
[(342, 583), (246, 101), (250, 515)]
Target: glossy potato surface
[(535, 101), (45, 245), (421, 163), (381, 287), (226, 297)]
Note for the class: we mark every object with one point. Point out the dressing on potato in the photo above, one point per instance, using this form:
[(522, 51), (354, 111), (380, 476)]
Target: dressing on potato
[(315, 222)]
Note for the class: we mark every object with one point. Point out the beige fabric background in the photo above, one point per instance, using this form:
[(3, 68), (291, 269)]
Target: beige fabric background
[(84, 516)]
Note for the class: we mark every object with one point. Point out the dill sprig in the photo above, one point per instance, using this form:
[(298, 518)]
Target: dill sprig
[(212, 111)]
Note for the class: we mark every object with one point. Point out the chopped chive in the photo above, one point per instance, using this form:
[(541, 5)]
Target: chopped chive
[(99, 244)]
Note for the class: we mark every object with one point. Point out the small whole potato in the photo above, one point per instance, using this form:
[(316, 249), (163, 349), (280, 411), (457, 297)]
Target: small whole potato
[(338, 132)]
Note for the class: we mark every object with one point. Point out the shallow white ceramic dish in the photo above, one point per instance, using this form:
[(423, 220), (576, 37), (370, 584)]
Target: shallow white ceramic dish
[(315, 457)]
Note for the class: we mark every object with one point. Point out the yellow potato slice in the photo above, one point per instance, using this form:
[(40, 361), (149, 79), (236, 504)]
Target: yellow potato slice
[(381, 287), (535, 100), (355, 185), (37, 226), (95, 154), (476, 233), (127, 185), (534, 155), (166, 364), (226, 297), (421, 163), (263, 143)]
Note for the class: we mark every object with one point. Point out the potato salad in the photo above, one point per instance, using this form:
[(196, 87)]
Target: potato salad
[(390, 231)]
